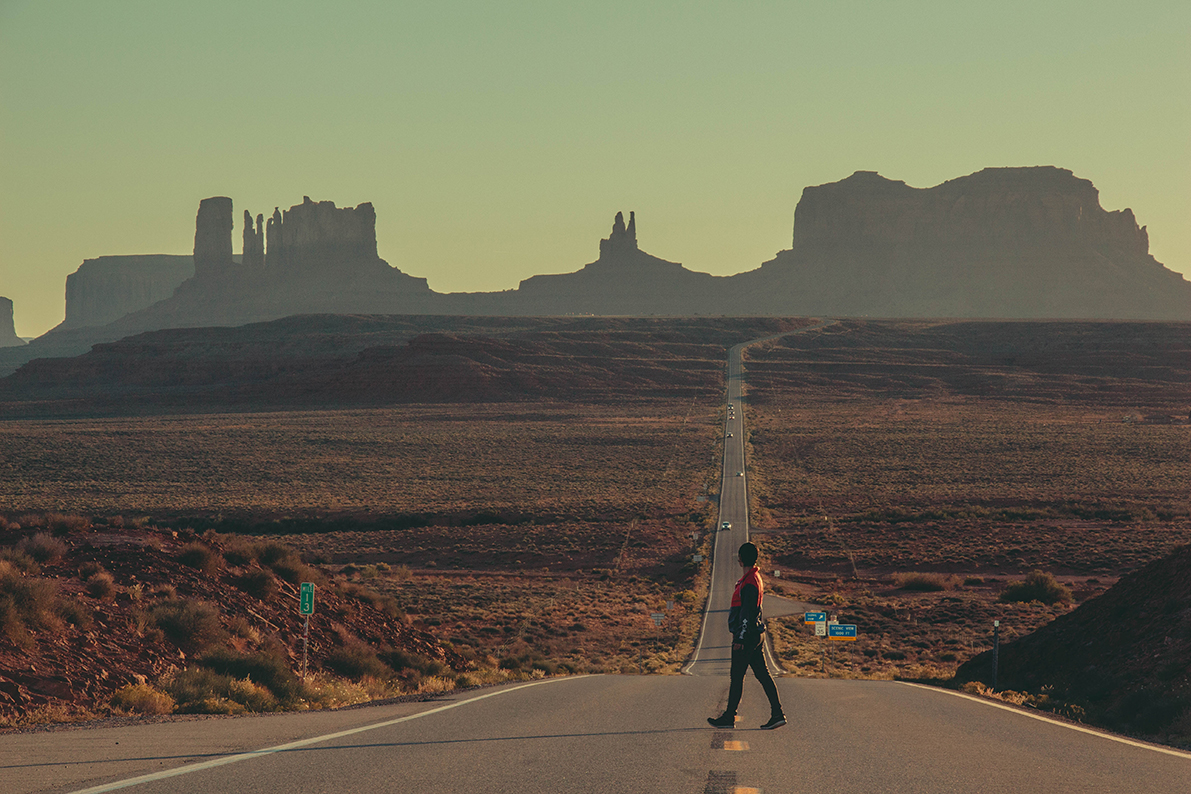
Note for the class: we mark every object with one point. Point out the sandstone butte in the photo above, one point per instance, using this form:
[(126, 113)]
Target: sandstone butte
[(1001, 243)]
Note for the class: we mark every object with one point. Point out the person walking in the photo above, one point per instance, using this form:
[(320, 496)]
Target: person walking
[(747, 625)]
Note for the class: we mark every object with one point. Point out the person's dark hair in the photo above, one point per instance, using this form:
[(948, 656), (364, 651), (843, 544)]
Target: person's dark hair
[(747, 554)]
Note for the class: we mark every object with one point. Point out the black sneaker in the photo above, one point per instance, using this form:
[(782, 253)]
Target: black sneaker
[(725, 721), (774, 722)]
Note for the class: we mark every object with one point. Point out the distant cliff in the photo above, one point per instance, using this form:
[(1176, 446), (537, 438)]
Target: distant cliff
[(1003, 242), (109, 287), (1000, 243), (8, 331)]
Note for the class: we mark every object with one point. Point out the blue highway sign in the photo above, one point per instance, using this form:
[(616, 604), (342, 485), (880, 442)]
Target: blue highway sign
[(842, 631), (814, 617)]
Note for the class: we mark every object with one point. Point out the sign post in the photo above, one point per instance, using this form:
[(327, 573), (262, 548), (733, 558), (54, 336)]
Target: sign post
[(996, 651), (306, 609)]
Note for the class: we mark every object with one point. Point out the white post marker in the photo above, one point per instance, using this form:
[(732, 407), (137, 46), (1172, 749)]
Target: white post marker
[(306, 609)]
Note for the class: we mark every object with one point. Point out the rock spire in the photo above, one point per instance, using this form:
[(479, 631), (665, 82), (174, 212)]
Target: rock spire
[(622, 240)]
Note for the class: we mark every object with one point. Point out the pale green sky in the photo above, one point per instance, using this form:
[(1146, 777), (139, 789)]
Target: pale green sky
[(497, 140)]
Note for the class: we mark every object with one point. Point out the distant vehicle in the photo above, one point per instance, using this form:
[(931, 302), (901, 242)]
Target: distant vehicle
[(739, 474), (726, 525), (729, 435)]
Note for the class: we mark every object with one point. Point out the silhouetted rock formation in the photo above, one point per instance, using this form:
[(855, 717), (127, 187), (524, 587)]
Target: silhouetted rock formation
[(1004, 242), (622, 240), (253, 255), (8, 331), (624, 281), (318, 239), (109, 287), (213, 237)]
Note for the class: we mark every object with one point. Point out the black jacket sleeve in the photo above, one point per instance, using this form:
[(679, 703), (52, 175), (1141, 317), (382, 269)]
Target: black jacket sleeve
[(749, 633)]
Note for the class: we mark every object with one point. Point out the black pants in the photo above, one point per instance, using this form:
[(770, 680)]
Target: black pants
[(743, 659)]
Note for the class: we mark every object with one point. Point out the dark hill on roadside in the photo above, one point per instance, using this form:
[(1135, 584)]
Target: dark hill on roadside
[(1124, 657), (338, 360)]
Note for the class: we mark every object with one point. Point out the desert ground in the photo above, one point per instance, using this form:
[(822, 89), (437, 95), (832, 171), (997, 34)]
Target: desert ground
[(902, 475)]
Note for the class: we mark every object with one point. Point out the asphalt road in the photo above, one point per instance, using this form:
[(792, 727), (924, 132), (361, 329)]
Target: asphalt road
[(615, 734), (606, 734)]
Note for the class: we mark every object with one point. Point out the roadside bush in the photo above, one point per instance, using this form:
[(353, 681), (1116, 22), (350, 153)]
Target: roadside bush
[(257, 583), (101, 585), (192, 625), (197, 555), (404, 660), (357, 661), (143, 699), (268, 670), (198, 690), (43, 547), (1038, 586), (924, 582)]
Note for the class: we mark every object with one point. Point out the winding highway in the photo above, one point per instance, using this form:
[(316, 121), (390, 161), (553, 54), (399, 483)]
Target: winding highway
[(615, 734)]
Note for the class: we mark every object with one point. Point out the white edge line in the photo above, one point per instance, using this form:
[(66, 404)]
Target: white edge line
[(231, 759), (1042, 718)]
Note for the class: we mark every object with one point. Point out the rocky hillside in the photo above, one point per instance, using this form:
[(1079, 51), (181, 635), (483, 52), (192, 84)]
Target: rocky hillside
[(122, 616), (1122, 659)]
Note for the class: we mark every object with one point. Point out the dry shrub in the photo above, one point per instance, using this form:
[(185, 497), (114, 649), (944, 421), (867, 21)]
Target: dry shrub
[(43, 547), (357, 661), (198, 690), (164, 589), (269, 670), (192, 625), (89, 569), (197, 555), (143, 699), (405, 660), (238, 553), (75, 612), (61, 524), (1038, 586), (257, 583), (925, 582), (240, 627), (101, 585), (25, 603), (385, 603), (18, 559)]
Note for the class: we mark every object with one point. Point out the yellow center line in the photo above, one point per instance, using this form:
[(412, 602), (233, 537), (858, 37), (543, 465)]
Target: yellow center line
[(733, 744)]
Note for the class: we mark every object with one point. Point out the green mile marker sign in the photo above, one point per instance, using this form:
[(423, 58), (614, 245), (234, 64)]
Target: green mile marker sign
[(306, 599)]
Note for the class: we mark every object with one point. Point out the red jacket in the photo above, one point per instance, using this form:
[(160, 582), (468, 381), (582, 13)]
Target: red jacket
[(744, 617)]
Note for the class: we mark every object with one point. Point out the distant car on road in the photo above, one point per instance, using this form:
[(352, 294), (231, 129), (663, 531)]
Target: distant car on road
[(739, 474), (729, 435), (726, 525)]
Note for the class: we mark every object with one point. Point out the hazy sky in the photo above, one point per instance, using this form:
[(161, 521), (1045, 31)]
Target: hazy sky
[(497, 140)]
